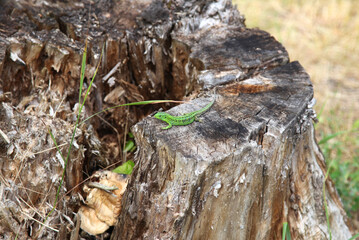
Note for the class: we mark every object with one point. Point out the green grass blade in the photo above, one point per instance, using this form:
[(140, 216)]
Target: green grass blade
[(286, 232), (83, 67), (356, 125), (285, 225), (129, 145), (92, 80), (58, 190), (132, 104), (319, 115), (57, 147), (331, 136), (75, 128), (354, 237)]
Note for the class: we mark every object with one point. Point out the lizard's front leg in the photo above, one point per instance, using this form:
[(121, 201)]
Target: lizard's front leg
[(197, 119), (168, 126)]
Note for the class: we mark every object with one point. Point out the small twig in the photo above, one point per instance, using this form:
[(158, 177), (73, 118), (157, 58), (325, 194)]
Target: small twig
[(45, 225), (57, 109), (124, 140), (5, 137), (101, 186), (27, 194), (31, 190), (31, 207), (111, 72), (3, 181), (109, 166), (49, 149), (25, 155), (47, 194), (59, 212), (109, 124)]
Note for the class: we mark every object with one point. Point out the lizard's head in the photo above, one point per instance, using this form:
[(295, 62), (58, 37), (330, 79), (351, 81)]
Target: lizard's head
[(161, 115)]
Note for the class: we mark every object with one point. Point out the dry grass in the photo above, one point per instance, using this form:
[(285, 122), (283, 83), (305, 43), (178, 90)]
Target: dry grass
[(323, 35)]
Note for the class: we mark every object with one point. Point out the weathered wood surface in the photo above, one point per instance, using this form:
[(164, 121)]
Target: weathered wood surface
[(250, 165)]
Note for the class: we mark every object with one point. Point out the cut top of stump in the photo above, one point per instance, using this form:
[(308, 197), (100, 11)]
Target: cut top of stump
[(252, 111), (222, 177)]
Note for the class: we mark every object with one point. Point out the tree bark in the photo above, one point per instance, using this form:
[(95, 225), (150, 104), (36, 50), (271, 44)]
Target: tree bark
[(250, 165)]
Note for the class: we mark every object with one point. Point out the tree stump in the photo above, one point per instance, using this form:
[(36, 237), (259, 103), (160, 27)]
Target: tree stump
[(250, 165)]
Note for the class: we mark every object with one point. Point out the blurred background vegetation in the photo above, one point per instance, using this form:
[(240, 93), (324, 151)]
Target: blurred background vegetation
[(323, 35)]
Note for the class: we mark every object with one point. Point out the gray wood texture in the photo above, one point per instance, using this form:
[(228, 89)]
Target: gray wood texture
[(250, 165)]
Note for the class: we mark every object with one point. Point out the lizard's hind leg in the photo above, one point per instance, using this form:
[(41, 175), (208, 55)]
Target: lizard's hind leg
[(197, 119), (168, 126)]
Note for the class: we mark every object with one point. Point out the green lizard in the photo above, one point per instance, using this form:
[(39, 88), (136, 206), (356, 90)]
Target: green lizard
[(183, 119)]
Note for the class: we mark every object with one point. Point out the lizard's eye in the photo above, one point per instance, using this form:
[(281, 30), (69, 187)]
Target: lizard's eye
[(160, 116)]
